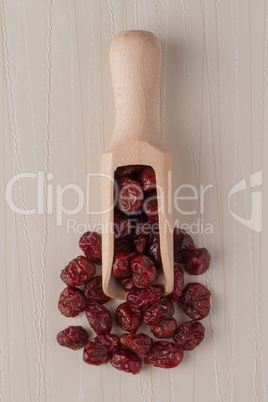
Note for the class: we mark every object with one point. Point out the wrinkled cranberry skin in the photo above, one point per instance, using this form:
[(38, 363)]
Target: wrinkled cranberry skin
[(127, 361), (189, 335), (140, 243), (94, 292), (73, 337), (129, 317), (72, 301), (123, 245), (178, 283), (127, 284), (139, 343), (197, 261), (99, 318), (154, 249), (128, 170), (144, 297), (90, 244), (143, 271), (78, 272), (164, 354), (121, 265), (164, 328), (147, 179), (163, 309), (195, 301), (183, 243), (150, 207), (130, 197), (99, 349)]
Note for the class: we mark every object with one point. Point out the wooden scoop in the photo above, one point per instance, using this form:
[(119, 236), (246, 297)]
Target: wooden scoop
[(135, 58)]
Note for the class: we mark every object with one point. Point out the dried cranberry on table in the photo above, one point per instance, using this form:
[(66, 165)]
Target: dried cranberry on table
[(164, 328), (195, 301), (127, 361), (94, 292), (127, 284), (164, 354), (73, 337), (178, 283), (90, 244), (72, 301), (78, 272), (144, 297), (143, 271), (163, 309), (197, 261), (99, 349), (121, 265), (99, 318), (130, 196), (138, 343), (147, 179), (129, 317), (183, 243), (189, 335)]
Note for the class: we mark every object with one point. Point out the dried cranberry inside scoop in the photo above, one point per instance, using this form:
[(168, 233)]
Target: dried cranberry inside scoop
[(130, 196), (121, 265), (143, 271)]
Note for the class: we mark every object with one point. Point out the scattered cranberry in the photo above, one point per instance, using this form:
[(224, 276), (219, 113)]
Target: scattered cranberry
[(178, 283), (90, 244), (164, 354), (163, 309), (94, 292), (183, 243), (140, 243), (164, 329), (123, 245), (129, 317), (127, 361), (197, 261), (127, 284), (130, 197), (73, 337), (128, 170), (99, 318), (154, 249), (139, 343), (150, 207), (99, 349), (144, 297), (143, 271), (121, 265), (147, 179), (72, 301), (189, 335), (195, 301), (78, 272)]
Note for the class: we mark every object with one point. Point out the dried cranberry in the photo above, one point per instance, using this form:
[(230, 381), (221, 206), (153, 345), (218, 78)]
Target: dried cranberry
[(122, 227), (74, 337), (144, 297), (150, 207), (94, 292), (189, 335), (127, 361), (183, 243), (130, 197), (147, 179), (143, 271), (163, 309), (72, 301), (178, 283), (142, 228), (140, 243), (139, 343), (164, 328), (129, 317), (127, 284), (154, 249), (78, 272), (90, 244), (195, 301), (197, 261), (123, 245), (121, 265), (99, 318), (99, 349), (128, 170), (164, 354)]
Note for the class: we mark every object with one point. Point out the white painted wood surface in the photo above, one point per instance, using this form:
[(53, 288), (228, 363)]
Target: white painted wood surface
[(57, 116)]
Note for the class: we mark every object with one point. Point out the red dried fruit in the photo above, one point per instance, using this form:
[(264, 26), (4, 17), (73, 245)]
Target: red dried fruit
[(143, 271), (195, 301), (150, 207), (163, 309), (147, 179), (99, 318), (197, 261), (123, 245), (127, 361), (128, 170), (164, 329), (139, 343), (130, 197), (73, 337), (129, 317), (178, 283), (127, 284), (90, 244), (99, 349), (140, 243), (154, 249), (72, 301), (164, 354), (143, 228), (183, 243), (122, 227), (121, 265), (78, 272), (189, 335), (144, 297), (94, 292)]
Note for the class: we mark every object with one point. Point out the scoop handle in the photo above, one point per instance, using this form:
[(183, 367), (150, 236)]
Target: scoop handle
[(135, 59)]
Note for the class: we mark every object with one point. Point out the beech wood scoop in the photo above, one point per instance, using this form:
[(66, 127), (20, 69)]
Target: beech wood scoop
[(135, 59)]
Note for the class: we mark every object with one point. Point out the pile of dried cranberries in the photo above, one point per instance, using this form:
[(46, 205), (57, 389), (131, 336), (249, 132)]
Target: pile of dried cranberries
[(137, 260)]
